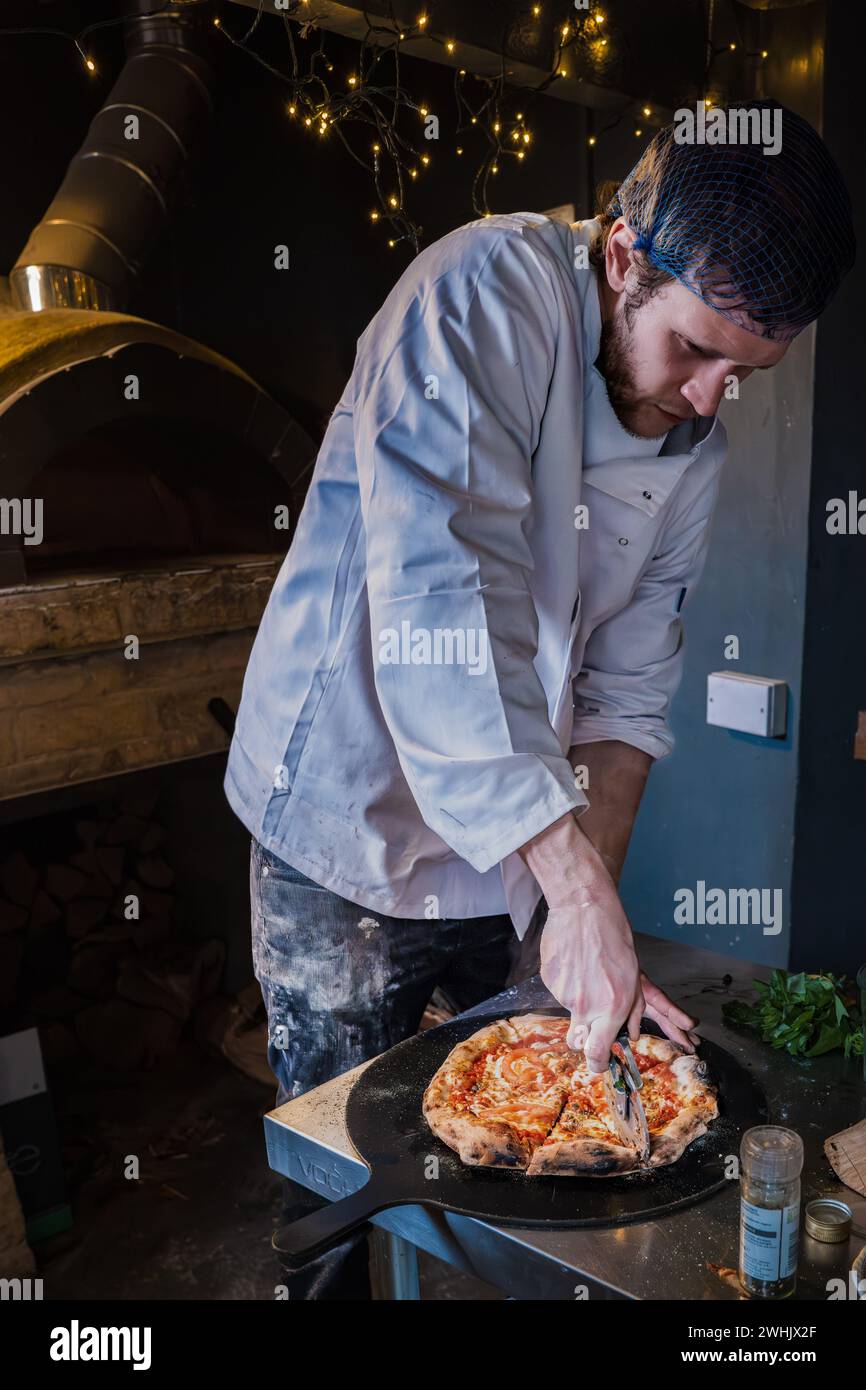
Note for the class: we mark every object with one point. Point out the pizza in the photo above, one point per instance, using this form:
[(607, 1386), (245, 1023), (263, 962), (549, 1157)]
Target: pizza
[(514, 1095)]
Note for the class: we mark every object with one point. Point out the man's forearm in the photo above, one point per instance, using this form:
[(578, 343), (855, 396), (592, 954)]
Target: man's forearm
[(617, 774), (583, 858)]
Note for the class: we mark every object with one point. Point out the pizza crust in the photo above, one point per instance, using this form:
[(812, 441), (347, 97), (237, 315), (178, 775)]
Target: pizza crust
[(671, 1142), (582, 1158), (479, 1143)]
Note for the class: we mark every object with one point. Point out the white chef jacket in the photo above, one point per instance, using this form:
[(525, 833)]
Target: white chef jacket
[(444, 499)]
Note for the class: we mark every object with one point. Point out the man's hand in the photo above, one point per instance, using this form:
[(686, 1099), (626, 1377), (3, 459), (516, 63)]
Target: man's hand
[(589, 964), (588, 959)]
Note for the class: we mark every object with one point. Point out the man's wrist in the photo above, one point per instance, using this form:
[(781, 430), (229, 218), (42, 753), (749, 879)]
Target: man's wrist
[(566, 864)]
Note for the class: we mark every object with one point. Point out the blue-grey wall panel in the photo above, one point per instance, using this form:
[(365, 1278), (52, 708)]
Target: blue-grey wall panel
[(720, 808)]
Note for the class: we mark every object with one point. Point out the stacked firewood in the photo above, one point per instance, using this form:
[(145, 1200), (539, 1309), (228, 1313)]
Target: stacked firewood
[(91, 948)]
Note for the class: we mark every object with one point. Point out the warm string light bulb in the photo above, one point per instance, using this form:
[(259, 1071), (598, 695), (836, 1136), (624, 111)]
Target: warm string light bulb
[(334, 106)]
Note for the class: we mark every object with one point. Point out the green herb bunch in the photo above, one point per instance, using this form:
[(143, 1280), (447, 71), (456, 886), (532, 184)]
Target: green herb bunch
[(804, 1014)]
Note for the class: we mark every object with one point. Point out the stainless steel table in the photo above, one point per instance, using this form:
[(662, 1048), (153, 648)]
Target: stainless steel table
[(668, 1258)]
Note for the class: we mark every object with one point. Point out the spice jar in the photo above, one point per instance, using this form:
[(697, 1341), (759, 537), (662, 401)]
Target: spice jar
[(771, 1160)]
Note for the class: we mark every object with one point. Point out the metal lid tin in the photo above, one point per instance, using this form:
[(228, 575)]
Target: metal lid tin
[(828, 1219)]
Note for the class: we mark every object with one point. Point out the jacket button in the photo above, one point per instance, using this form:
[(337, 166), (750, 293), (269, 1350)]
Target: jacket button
[(648, 495), (623, 541)]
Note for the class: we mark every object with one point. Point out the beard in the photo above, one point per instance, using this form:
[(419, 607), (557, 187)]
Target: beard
[(616, 363)]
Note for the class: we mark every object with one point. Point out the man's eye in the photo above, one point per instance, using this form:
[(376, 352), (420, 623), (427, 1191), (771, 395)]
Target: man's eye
[(692, 347)]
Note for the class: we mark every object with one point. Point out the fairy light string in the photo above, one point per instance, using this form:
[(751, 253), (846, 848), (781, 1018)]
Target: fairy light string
[(488, 110)]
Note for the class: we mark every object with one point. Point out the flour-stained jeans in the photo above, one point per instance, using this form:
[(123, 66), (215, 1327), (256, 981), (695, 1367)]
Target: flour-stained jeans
[(340, 985)]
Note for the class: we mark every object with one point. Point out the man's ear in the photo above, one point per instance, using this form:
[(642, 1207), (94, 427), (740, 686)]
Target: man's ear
[(617, 257)]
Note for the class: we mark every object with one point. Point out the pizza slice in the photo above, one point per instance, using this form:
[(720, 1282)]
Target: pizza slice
[(679, 1103), (586, 1139), (498, 1094)]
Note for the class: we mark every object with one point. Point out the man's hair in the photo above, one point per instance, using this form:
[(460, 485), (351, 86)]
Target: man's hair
[(762, 238), (648, 278)]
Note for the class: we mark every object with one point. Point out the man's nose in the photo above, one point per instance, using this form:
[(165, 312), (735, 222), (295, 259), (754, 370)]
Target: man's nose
[(704, 391)]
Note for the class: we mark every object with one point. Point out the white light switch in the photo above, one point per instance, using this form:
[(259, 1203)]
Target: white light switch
[(749, 704)]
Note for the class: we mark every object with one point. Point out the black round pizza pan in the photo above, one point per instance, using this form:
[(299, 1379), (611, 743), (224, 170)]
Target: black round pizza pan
[(408, 1164)]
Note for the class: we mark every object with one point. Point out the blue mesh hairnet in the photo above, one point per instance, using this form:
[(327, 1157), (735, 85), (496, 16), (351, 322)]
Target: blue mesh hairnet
[(763, 238)]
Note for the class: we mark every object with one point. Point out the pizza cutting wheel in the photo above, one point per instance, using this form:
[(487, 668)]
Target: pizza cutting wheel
[(622, 1082)]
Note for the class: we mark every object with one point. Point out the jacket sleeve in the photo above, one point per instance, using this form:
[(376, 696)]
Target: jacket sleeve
[(633, 662), (451, 383)]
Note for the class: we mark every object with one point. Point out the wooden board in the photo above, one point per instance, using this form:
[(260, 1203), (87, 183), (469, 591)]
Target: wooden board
[(846, 1152), (74, 709)]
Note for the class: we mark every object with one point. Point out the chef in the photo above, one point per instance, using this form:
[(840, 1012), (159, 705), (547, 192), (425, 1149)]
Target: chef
[(463, 674)]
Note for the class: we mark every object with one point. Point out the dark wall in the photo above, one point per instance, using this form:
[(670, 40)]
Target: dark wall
[(829, 901)]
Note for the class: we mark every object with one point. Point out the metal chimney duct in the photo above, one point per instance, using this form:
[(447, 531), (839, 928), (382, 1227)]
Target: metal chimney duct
[(114, 201)]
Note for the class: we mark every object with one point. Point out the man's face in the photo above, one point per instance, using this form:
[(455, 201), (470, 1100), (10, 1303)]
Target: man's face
[(671, 358)]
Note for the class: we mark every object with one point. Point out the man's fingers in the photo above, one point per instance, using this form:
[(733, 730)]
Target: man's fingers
[(670, 1029), (577, 1035), (635, 1017), (659, 1001), (602, 1033)]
